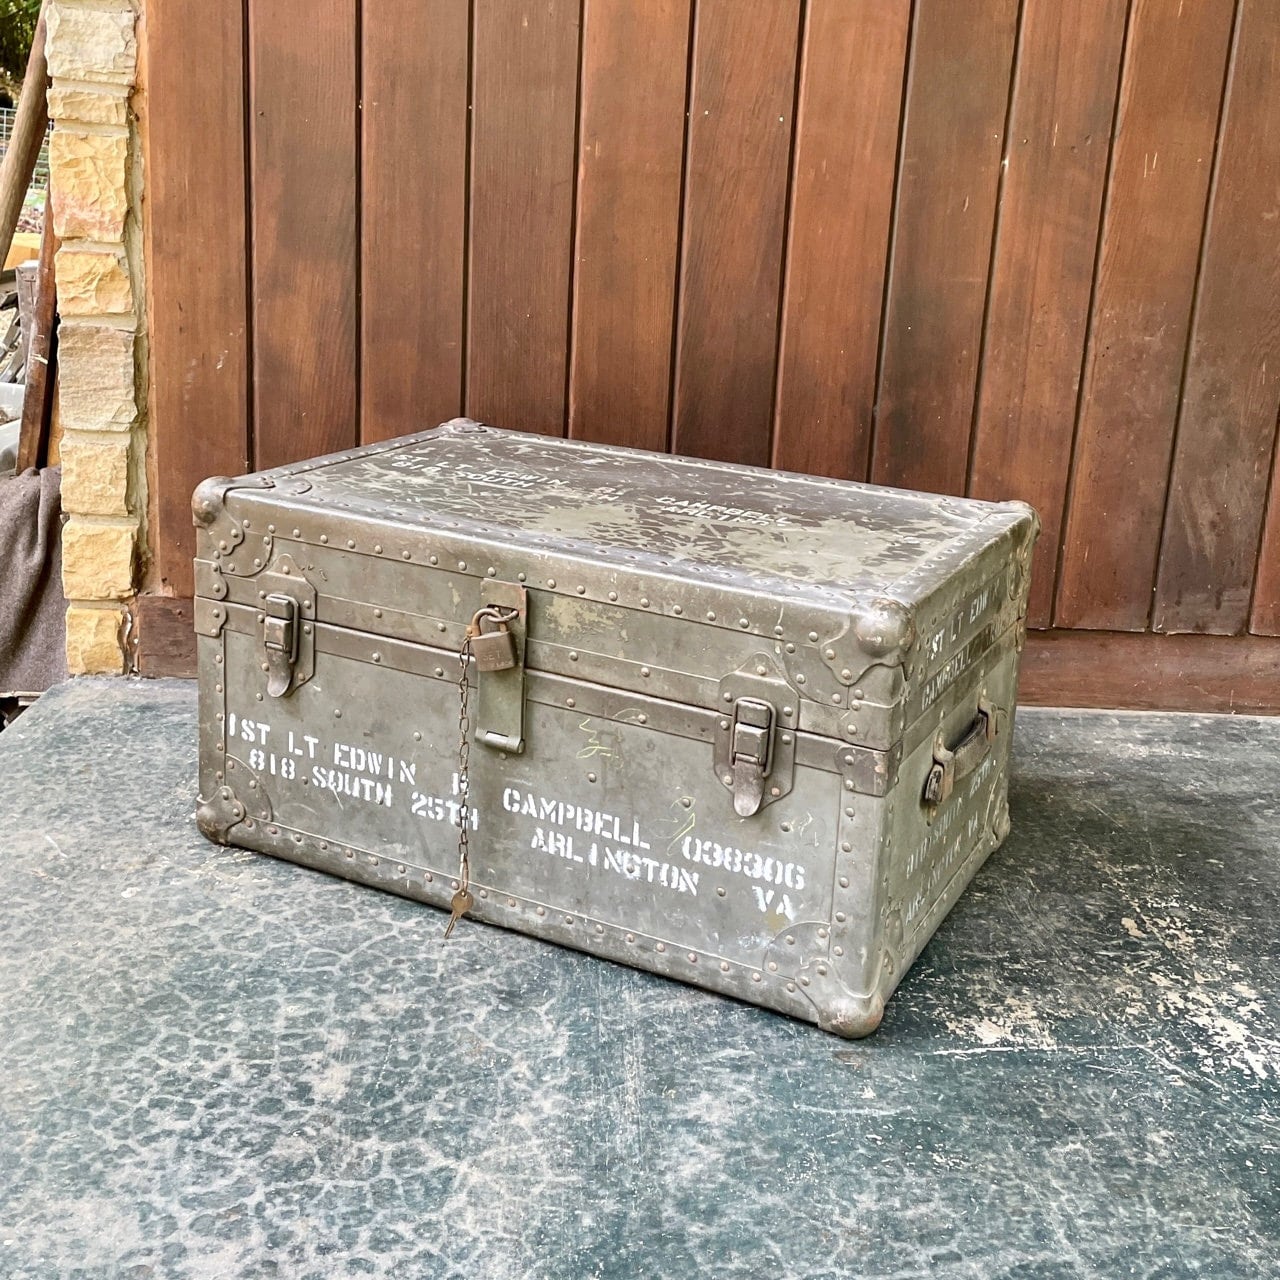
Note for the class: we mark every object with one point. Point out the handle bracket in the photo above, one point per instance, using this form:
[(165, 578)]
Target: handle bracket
[(951, 764)]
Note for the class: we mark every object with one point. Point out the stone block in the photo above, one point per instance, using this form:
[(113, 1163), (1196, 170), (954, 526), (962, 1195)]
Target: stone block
[(96, 378), (93, 282), (95, 475), (83, 105), (91, 44), (87, 184), (93, 641), (97, 559)]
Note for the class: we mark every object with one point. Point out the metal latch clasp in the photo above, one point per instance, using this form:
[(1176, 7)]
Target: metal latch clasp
[(751, 753), (287, 618), (280, 641), (754, 739)]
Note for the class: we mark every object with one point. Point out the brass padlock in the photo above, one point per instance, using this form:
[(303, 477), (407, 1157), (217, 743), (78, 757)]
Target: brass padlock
[(492, 644)]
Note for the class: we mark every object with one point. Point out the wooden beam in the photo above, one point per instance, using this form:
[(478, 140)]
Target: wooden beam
[(1171, 89), (524, 111), (1144, 672), (1063, 104), (630, 155), (41, 361), (741, 108), (194, 224), (304, 95), (956, 104), (164, 637), (29, 127), (849, 108), (413, 199)]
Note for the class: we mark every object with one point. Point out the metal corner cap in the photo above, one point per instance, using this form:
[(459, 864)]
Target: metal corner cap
[(883, 627), (1025, 511), (218, 814), (210, 499), (462, 426), (852, 1016)]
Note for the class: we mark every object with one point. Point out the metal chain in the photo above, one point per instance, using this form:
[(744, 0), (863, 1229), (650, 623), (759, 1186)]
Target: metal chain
[(462, 895), (464, 759)]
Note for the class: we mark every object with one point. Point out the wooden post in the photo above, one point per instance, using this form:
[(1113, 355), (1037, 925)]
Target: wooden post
[(37, 403), (28, 136)]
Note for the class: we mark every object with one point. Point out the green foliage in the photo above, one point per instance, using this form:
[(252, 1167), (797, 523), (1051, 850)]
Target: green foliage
[(17, 27)]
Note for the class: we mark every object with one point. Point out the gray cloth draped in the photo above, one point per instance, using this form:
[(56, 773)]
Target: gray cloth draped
[(32, 610)]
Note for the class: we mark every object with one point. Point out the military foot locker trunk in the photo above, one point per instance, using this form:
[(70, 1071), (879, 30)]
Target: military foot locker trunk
[(741, 728)]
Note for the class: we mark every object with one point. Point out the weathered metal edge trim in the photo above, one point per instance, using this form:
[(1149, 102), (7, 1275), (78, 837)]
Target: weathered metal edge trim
[(855, 609), (829, 708), (818, 713), (436, 663), (544, 655), (870, 767)]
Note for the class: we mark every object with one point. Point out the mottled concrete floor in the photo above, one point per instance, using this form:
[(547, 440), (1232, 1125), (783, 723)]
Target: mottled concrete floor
[(218, 1065)]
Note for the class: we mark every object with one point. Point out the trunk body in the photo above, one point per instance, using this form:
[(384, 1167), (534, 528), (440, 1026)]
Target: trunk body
[(744, 729)]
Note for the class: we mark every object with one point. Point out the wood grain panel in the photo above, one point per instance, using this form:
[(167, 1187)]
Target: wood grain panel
[(629, 170), (525, 95), (194, 227), (675, 226), (303, 132), (163, 636), (1163, 152), (740, 118), (1064, 100), (1145, 672), (842, 194), (1265, 618), (957, 100), (413, 214), (1231, 391)]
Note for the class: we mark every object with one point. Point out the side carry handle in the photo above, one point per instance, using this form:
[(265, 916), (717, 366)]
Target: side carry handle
[(952, 764)]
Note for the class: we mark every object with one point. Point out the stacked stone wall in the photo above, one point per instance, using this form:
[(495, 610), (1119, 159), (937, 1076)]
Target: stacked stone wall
[(95, 180)]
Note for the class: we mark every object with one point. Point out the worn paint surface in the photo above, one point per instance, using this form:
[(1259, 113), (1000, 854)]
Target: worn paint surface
[(848, 616), (219, 1064), (814, 535)]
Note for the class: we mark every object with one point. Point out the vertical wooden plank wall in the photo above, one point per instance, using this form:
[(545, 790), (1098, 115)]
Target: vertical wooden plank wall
[(1012, 248), (303, 131), (1042, 265), (196, 264), (845, 163), (953, 137), (1265, 619), (741, 115), (1162, 160), (630, 165), (524, 112), (413, 216), (1227, 418)]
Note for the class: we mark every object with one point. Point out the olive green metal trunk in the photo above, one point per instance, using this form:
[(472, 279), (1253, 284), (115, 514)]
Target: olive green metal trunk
[(741, 728)]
